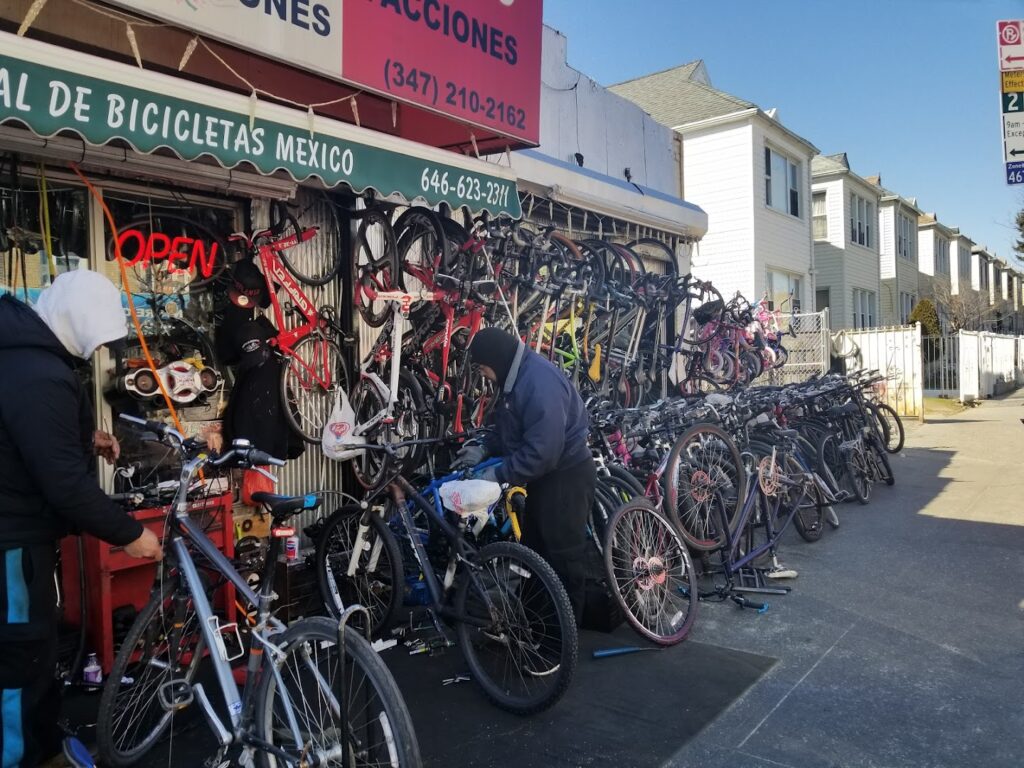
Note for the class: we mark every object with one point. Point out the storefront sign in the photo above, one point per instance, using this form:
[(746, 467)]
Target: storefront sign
[(182, 254), (475, 60), (103, 101)]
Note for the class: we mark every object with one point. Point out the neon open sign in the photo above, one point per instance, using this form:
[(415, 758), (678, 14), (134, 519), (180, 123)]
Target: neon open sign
[(179, 253)]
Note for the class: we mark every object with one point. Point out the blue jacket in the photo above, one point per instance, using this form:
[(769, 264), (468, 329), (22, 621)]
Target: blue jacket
[(541, 424)]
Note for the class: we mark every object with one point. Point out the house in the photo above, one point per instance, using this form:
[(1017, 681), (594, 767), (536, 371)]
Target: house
[(981, 281), (897, 247), (933, 263), (844, 224), (749, 172)]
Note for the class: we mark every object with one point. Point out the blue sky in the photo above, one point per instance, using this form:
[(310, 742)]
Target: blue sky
[(907, 88)]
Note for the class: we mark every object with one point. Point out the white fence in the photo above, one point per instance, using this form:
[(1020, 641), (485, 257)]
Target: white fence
[(990, 364), (894, 352)]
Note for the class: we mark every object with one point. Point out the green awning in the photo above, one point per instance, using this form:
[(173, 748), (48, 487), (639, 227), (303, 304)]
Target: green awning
[(103, 101)]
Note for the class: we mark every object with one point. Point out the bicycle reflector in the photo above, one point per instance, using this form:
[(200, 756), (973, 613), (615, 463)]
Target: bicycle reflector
[(282, 532)]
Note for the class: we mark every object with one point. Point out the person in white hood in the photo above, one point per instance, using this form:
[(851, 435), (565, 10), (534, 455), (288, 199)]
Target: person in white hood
[(48, 488)]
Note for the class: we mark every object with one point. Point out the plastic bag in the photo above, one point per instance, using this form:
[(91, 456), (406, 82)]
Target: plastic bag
[(338, 435), (467, 497), (253, 481)]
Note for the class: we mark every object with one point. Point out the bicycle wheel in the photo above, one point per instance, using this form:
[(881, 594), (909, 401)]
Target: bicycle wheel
[(859, 474), (422, 250), (317, 260), (306, 701), (164, 643), (892, 426), (190, 269), (376, 265), (651, 574), (378, 581), (523, 651), (810, 513), (409, 422), (626, 486), (705, 483), (308, 403)]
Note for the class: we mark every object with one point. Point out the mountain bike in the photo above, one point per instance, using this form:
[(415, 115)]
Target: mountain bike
[(315, 368), (511, 614), (315, 693)]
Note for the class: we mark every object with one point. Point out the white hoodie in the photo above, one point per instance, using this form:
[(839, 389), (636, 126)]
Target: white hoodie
[(83, 309)]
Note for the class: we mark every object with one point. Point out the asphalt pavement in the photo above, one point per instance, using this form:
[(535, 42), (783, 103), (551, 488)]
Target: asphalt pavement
[(901, 643)]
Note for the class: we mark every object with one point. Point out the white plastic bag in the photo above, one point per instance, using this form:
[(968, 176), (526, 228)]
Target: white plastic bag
[(471, 499), (338, 438)]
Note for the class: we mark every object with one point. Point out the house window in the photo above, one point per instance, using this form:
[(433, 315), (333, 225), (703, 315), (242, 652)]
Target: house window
[(963, 262), (982, 275), (864, 306), (941, 256), (907, 303), (784, 290), (861, 214), (819, 217), (906, 237), (822, 299), (781, 182)]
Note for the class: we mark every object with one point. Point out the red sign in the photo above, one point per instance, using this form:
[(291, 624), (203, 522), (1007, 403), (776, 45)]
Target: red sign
[(183, 254), (476, 60)]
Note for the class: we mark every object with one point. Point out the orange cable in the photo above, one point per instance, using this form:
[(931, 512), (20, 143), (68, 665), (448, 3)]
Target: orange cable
[(131, 298)]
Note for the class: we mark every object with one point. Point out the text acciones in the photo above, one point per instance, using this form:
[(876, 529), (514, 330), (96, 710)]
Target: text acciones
[(451, 22)]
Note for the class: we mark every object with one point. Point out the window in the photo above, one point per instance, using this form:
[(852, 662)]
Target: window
[(781, 182), (941, 256), (861, 214), (864, 305), (822, 299), (906, 237), (963, 262), (907, 303), (783, 286), (819, 217)]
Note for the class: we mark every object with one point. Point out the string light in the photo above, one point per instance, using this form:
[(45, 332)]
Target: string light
[(30, 16)]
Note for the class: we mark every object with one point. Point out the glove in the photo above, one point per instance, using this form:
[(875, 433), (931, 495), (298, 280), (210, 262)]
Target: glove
[(469, 455), (490, 474)]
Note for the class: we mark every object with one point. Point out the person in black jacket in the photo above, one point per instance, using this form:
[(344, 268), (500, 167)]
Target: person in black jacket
[(47, 489), (540, 432)]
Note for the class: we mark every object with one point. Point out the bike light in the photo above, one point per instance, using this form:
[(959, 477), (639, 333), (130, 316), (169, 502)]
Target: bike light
[(282, 532)]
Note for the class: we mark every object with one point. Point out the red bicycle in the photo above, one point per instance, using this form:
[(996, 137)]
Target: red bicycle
[(315, 371)]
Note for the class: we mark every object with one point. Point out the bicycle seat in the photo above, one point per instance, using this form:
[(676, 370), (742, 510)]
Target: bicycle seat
[(842, 410), (282, 507)]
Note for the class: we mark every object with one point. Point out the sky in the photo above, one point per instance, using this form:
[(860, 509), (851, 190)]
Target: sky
[(909, 89)]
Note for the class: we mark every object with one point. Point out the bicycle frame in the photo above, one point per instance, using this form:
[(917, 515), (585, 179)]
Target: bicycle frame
[(240, 706)]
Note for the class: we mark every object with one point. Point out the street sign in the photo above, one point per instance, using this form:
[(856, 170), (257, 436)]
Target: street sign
[(1010, 35), (1010, 44)]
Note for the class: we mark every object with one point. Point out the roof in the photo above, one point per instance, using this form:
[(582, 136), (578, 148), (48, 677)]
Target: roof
[(824, 164), (674, 97)]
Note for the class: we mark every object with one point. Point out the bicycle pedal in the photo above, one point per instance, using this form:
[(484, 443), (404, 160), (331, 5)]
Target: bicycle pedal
[(175, 695)]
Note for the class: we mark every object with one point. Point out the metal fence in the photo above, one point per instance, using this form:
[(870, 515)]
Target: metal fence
[(941, 363), (896, 353), (808, 350)]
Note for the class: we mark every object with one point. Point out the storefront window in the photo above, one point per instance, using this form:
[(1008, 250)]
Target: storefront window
[(27, 265)]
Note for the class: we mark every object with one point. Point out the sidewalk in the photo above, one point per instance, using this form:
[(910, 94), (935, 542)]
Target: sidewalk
[(900, 644)]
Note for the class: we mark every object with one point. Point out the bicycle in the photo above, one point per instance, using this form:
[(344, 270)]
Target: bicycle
[(315, 368), (315, 668), (511, 614)]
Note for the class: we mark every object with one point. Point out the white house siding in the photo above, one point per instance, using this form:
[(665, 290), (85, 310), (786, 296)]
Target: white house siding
[(926, 251), (784, 241), (887, 240), (718, 177), (828, 253)]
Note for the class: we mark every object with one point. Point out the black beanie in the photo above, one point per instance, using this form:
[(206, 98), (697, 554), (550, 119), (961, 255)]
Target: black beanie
[(496, 349)]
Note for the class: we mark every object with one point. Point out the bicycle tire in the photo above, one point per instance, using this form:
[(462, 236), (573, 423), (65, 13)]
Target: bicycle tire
[(810, 514), (386, 737), (376, 263), (309, 422), (113, 751), (380, 591), (316, 261), (646, 569), (892, 425), (422, 246), (880, 458), (667, 255), (625, 482), (727, 491), (556, 666), (860, 476)]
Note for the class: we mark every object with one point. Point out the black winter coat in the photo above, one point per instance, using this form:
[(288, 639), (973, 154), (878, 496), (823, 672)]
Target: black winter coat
[(540, 422), (48, 486)]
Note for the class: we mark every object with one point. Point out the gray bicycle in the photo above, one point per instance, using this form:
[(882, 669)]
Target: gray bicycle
[(314, 693)]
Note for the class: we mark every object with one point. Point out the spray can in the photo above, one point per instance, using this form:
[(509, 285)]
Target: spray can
[(291, 548)]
